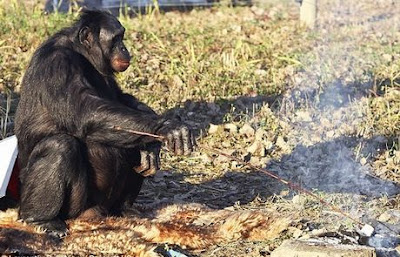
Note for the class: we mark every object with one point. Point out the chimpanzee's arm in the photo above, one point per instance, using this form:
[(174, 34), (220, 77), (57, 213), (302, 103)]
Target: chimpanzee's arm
[(98, 121), (100, 116), (76, 105), (134, 103)]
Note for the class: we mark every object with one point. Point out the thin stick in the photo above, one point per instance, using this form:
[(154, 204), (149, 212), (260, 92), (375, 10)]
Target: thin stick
[(291, 185), (161, 138)]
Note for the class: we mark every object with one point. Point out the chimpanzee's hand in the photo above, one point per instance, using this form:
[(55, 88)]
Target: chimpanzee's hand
[(149, 160), (179, 138)]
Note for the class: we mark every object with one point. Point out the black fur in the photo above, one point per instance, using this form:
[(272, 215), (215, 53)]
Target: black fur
[(72, 159)]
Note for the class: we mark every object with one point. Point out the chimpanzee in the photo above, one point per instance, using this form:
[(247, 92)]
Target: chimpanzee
[(73, 161)]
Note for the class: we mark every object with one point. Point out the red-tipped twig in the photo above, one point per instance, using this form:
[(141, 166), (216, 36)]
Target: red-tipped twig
[(291, 185)]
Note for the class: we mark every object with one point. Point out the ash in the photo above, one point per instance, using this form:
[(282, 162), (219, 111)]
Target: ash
[(331, 167)]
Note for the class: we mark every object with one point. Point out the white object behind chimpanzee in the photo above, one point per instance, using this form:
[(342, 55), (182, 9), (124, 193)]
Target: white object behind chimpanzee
[(8, 155)]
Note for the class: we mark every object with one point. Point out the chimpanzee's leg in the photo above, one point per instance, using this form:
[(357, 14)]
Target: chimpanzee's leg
[(116, 177), (53, 183), (109, 169), (131, 188)]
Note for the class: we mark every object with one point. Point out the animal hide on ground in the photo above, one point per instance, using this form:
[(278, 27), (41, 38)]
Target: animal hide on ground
[(191, 226)]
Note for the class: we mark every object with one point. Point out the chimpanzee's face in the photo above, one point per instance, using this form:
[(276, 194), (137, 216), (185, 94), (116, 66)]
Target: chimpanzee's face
[(105, 47), (111, 41)]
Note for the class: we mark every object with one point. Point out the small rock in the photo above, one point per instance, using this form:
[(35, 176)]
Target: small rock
[(221, 159), (384, 217), (259, 134), (363, 161), (315, 138), (232, 128), (392, 216), (255, 161), (313, 248), (226, 144), (225, 166), (319, 232), (330, 134), (284, 192), (213, 129), (367, 230), (205, 158), (234, 165), (281, 143), (297, 233), (299, 200), (387, 57), (255, 147), (177, 81), (268, 144), (247, 130), (265, 160), (260, 72)]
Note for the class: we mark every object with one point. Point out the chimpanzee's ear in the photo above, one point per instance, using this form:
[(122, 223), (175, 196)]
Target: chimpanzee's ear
[(86, 36)]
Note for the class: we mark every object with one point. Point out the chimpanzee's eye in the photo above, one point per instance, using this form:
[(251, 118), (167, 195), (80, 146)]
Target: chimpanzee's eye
[(117, 39)]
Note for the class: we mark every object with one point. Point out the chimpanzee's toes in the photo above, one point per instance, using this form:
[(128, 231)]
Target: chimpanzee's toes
[(55, 228)]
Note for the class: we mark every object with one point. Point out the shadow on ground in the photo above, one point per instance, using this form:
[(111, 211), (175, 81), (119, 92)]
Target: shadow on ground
[(14, 242), (330, 167)]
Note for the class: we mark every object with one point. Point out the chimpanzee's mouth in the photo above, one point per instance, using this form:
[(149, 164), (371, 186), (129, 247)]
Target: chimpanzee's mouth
[(122, 65)]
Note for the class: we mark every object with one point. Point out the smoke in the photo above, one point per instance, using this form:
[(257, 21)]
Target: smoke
[(330, 167), (326, 102)]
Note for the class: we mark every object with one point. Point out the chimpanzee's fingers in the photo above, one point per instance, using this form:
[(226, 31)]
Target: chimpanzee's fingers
[(144, 163), (193, 139), (187, 141), (154, 161), (144, 160), (157, 162), (152, 165), (178, 141), (170, 142)]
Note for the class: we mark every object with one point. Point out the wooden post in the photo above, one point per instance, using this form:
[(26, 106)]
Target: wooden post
[(308, 12)]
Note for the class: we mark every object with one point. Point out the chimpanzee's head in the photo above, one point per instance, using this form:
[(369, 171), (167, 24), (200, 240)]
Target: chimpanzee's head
[(100, 36)]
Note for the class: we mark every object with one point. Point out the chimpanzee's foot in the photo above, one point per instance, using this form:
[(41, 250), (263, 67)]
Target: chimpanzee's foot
[(56, 228), (93, 213)]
